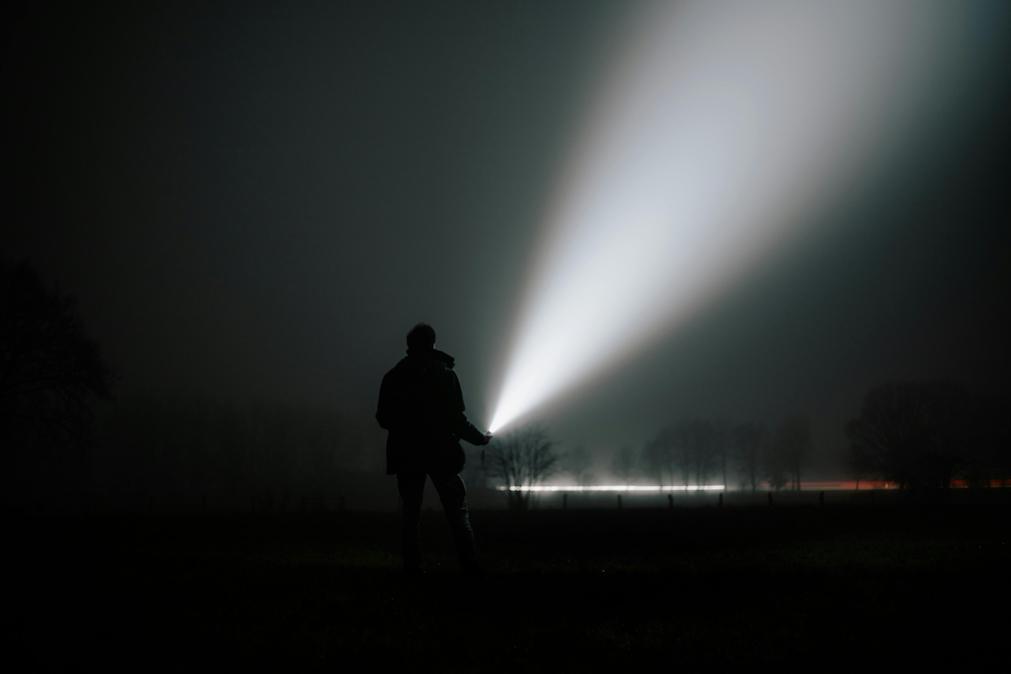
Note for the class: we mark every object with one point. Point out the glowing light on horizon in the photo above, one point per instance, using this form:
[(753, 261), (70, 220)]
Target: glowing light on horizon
[(807, 486), (719, 129), (622, 488)]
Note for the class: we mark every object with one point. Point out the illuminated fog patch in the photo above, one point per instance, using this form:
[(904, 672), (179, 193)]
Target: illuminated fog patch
[(721, 126)]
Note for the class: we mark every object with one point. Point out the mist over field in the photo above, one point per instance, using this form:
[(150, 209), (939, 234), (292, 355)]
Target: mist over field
[(720, 301)]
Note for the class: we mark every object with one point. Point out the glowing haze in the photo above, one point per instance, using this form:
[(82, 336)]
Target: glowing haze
[(720, 128)]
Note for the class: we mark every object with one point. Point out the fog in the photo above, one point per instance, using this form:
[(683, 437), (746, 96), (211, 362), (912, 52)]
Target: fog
[(252, 206)]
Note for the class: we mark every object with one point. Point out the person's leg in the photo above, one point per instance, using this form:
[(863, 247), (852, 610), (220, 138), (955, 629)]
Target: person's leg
[(453, 494), (412, 488)]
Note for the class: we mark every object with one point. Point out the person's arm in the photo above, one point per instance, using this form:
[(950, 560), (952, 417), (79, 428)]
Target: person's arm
[(458, 420), (384, 410)]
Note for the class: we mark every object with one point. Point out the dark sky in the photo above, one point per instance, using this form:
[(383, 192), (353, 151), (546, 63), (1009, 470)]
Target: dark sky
[(257, 200)]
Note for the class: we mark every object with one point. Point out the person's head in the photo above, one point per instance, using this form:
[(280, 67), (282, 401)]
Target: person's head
[(421, 338)]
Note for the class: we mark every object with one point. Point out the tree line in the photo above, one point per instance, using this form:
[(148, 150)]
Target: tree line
[(66, 441), (160, 451), (916, 434), (696, 451), (931, 434)]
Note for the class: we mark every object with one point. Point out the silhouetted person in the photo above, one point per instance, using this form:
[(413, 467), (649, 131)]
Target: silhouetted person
[(421, 405)]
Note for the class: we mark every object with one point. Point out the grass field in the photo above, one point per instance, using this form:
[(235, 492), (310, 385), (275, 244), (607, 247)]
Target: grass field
[(689, 589)]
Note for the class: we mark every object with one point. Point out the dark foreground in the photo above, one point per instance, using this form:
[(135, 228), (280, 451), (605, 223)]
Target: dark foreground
[(701, 588)]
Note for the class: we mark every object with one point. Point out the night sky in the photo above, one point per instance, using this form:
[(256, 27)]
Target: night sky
[(258, 200)]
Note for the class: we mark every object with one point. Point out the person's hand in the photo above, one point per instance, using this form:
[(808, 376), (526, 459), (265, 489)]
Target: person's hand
[(487, 439)]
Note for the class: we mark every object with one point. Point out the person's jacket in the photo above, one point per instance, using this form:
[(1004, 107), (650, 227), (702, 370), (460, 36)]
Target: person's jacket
[(421, 405)]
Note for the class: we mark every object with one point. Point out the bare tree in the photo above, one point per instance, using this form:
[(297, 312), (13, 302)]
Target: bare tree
[(50, 370), (658, 455), (519, 459), (721, 443), (913, 433), (623, 463), (749, 440), (791, 446), (688, 448), (986, 459), (695, 449), (577, 462), (51, 373)]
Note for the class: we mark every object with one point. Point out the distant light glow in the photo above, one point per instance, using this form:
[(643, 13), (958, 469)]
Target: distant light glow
[(806, 486), (846, 485), (621, 488), (720, 128)]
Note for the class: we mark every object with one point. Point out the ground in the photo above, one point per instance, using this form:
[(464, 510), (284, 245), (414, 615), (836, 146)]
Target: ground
[(837, 587)]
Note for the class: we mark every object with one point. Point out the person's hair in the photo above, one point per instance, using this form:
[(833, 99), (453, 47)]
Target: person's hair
[(421, 336)]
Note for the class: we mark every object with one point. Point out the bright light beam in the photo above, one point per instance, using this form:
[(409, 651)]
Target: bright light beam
[(722, 126)]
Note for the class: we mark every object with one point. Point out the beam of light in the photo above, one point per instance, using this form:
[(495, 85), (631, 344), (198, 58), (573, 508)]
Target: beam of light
[(621, 488), (722, 126)]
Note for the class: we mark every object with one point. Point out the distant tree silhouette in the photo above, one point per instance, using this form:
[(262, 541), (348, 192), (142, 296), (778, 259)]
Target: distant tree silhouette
[(578, 461), (775, 466), (190, 452), (521, 458), (695, 446), (658, 455), (686, 451), (791, 444), (722, 447), (749, 440), (681, 450), (50, 374), (623, 463), (987, 457), (915, 433)]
